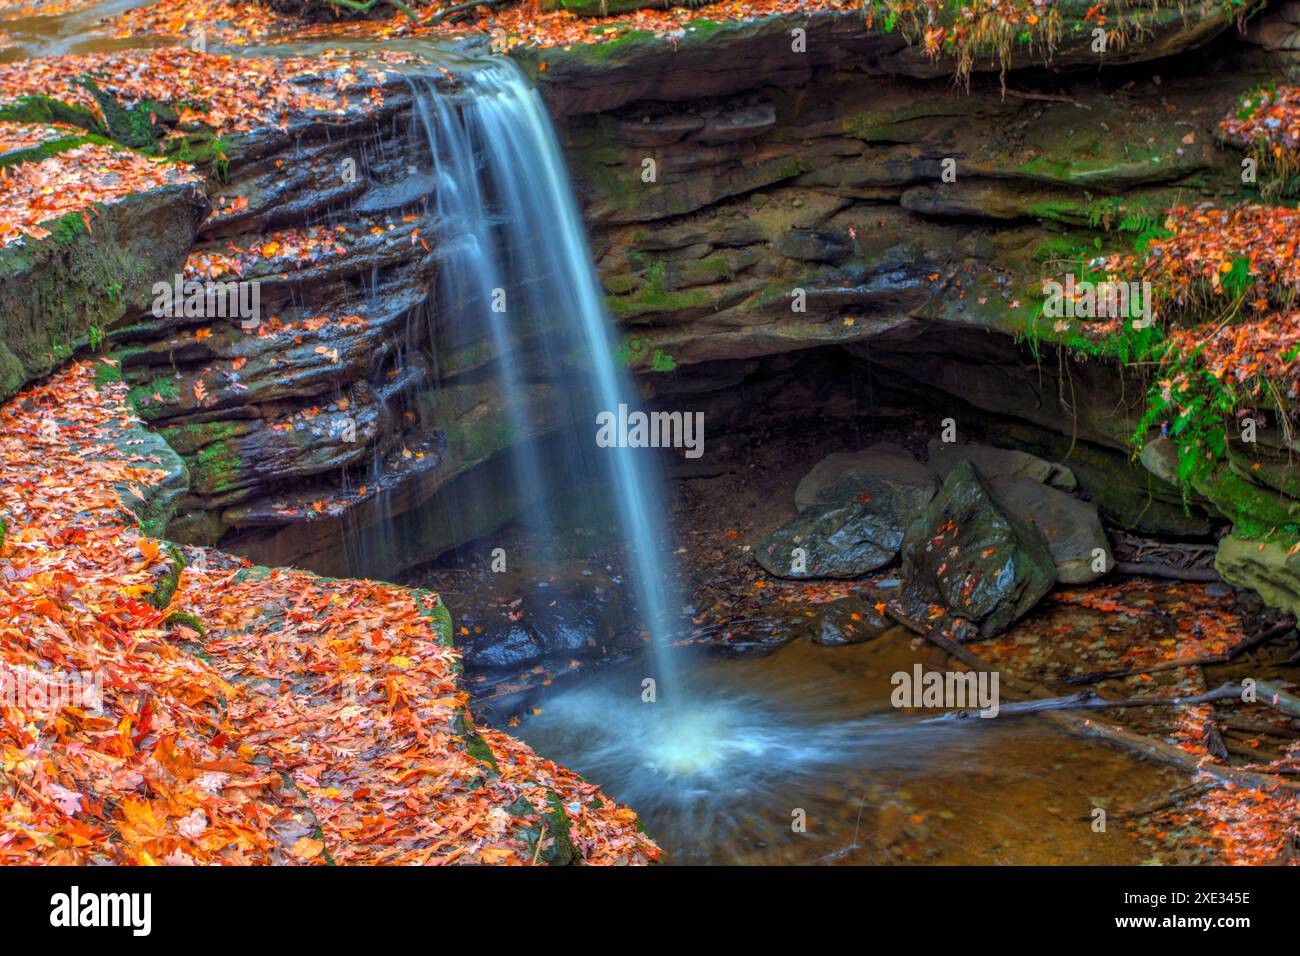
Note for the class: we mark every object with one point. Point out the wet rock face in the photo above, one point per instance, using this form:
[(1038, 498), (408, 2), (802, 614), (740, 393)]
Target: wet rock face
[(965, 557), (778, 173), (1035, 490), (1269, 568), (854, 511), (848, 475), (849, 620), (533, 616)]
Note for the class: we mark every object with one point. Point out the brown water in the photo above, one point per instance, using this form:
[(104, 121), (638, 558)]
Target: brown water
[(810, 728)]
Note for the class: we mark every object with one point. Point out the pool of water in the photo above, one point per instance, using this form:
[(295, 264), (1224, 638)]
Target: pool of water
[(798, 757)]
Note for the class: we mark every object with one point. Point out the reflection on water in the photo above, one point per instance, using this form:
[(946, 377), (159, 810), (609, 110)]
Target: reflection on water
[(807, 733)]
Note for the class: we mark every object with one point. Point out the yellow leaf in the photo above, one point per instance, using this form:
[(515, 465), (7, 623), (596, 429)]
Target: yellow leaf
[(307, 848)]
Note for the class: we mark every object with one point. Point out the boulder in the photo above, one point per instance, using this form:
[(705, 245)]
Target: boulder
[(853, 512), (509, 647), (1267, 567), (968, 558), (838, 477), (1070, 527), (79, 281), (850, 620), (999, 462), (531, 615)]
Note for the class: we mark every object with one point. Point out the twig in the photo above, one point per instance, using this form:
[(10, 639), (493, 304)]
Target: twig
[(1277, 630), (537, 851), (1172, 798), (370, 5), (1161, 570), (1091, 700), (1148, 747), (446, 12)]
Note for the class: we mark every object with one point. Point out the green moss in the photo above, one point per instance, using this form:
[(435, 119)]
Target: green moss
[(216, 467), (661, 361), (53, 292), (596, 8), (704, 27), (146, 399), (619, 285), (430, 607), (44, 109), (51, 147), (185, 619), (138, 126), (199, 148), (635, 352), (606, 50), (649, 302), (1253, 510), (166, 587), (793, 167), (705, 271), (562, 851)]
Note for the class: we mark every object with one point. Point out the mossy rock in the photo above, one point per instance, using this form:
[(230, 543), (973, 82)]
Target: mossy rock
[(165, 589), (185, 619), (606, 8), (139, 125), (56, 292), (51, 147), (551, 827), (1266, 566), (44, 109)]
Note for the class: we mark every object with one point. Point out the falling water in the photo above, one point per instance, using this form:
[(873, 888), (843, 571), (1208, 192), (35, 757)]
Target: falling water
[(516, 262)]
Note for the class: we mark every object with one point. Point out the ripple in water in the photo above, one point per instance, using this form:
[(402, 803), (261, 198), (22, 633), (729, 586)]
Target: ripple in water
[(718, 777)]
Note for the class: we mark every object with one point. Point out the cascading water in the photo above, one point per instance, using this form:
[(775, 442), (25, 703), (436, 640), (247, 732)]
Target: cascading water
[(515, 261), (715, 768)]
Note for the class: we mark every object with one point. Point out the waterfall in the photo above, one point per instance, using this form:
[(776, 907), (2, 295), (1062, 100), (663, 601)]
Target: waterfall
[(515, 262)]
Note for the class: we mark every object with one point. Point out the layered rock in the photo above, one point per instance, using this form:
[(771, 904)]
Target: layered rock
[(62, 291), (750, 207)]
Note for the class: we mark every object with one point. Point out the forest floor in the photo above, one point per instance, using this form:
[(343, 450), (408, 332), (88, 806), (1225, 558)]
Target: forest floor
[(247, 716)]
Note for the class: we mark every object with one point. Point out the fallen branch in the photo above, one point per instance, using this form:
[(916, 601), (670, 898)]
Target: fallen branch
[(1277, 630), (1164, 800), (369, 5), (1170, 571), (1091, 700), (1274, 696), (460, 8), (1147, 747)]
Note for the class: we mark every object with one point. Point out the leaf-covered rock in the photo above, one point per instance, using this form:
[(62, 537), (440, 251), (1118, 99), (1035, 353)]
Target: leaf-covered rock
[(967, 557)]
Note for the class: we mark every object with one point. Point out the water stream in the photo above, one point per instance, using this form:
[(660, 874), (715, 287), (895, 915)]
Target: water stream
[(517, 264), (793, 757)]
